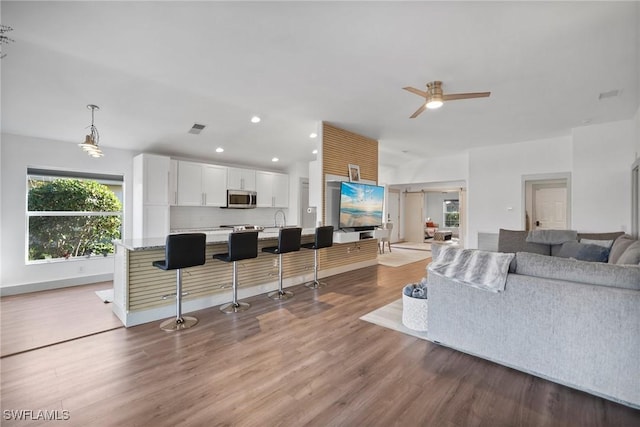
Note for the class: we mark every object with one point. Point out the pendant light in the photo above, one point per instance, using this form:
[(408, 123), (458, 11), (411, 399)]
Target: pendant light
[(90, 144)]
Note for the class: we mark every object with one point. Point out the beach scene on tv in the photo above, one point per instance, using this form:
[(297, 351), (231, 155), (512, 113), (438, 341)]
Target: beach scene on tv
[(360, 205)]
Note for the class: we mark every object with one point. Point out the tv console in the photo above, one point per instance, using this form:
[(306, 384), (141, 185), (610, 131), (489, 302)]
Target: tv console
[(353, 236)]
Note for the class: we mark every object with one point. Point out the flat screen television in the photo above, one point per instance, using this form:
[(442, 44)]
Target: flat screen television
[(360, 206)]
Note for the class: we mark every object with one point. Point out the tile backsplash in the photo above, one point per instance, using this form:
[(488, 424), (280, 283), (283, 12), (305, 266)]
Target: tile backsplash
[(196, 217)]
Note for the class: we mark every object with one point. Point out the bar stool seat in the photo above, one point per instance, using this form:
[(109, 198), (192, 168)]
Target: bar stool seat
[(181, 251), (241, 245), (288, 241), (323, 239)]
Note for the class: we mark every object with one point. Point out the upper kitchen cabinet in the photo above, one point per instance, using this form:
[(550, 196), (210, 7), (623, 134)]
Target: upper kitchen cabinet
[(241, 179), (173, 183), (152, 179), (272, 189), (201, 184)]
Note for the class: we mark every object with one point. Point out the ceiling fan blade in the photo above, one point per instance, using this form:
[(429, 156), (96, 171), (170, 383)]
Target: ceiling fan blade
[(416, 91), (454, 96), (418, 111)]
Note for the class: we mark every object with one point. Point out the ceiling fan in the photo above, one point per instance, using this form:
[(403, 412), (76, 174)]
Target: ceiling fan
[(434, 97)]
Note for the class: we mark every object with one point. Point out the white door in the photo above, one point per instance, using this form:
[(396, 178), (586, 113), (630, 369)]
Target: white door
[(549, 208), (414, 217), (393, 215)]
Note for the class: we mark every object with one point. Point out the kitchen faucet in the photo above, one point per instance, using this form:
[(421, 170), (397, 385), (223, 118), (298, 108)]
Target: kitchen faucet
[(275, 218)]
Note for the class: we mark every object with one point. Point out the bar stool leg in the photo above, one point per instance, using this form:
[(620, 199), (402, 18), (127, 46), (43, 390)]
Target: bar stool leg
[(315, 284), (180, 321), (234, 306), (280, 294)]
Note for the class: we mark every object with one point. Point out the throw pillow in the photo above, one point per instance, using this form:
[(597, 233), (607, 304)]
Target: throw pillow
[(583, 252), (631, 255), (619, 246), (605, 243), (569, 249)]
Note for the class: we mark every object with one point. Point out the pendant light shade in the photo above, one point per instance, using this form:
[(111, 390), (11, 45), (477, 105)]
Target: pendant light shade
[(90, 144)]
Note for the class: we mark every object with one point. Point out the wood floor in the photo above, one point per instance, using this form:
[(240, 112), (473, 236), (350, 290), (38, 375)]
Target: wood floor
[(307, 361)]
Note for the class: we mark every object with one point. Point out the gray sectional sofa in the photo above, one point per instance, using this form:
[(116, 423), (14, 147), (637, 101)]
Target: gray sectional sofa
[(573, 322)]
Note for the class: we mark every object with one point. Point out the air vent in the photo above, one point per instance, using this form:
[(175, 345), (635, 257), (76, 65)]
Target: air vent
[(196, 129), (610, 94)]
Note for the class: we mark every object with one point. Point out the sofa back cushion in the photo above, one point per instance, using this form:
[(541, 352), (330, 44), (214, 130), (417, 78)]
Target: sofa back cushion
[(593, 273), (619, 246), (631, 255), (600, 236), (515, 241)]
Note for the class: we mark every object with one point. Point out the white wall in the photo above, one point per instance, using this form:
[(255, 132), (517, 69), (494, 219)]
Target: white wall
[(20, 152), (432, 169), (601, 190), (495, 181)]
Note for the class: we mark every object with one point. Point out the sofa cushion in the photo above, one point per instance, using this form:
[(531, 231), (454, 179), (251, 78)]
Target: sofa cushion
[(515, 241), (584, 252), (631, 255), (604, 243), (551, 237), (593, 273), (601, 236), (619, 246)]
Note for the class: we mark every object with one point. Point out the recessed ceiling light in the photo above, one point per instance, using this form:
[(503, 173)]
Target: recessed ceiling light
[(219, 150), (313, 135), (314, 152), (275, 159), (255, 119)]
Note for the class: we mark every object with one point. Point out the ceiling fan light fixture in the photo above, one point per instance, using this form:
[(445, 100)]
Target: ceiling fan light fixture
[(434, 102)]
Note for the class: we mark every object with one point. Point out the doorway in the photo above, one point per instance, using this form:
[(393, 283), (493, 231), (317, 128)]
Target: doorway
[(393, 215), (547, 204), (414, 217)]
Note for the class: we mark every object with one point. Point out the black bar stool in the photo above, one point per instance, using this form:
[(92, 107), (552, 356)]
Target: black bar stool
[(241, 245), (181, 251), (324, 239), (288, 241)]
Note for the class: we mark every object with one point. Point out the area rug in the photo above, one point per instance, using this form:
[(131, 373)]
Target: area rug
[(412, 245), (105, 295), (402, 257), (390, 316)]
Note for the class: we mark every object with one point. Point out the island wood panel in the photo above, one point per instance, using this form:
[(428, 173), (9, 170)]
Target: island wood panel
[(340, 148), (147, 284)]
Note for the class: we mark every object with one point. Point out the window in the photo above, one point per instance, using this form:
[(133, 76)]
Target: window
[(451, 213), (71, 215)]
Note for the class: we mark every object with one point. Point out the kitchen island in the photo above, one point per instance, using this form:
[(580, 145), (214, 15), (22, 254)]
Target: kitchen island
[(139, 287)]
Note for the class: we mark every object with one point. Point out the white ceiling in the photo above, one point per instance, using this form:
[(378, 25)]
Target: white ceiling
[(156, 68)]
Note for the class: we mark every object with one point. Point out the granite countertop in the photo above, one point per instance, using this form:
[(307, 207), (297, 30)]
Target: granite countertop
[(216, 235)]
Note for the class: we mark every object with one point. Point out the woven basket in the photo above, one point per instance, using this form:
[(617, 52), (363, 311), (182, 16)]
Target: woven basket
[(414, 313)]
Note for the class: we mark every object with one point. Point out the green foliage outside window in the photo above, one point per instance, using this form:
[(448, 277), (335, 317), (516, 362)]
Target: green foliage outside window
[(59, 235)]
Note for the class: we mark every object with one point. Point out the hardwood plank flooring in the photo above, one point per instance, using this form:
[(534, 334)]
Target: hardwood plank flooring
[(307, 361), (40, 319)]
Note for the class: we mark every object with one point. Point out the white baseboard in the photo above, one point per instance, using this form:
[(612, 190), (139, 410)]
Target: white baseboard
[(54, 284)]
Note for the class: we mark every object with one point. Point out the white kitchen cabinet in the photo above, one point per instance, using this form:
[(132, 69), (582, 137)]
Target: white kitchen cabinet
[(272, 189), (190, 184), (201, 184), (173, 183), (151, 195), (214, 185), (241, 179)]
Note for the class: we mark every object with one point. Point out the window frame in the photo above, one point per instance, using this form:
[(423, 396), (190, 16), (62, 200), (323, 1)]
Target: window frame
[(40, 174)]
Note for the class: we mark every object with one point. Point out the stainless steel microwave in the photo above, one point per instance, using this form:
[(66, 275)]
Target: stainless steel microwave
[(241, 199)]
